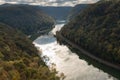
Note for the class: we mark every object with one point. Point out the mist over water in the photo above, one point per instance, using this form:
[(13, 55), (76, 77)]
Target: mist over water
[(66, 61)]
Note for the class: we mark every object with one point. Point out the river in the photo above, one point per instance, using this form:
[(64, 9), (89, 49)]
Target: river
[(67, 62)]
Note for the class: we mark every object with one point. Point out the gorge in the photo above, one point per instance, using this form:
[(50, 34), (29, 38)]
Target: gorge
[(60, 42), (68, 62)]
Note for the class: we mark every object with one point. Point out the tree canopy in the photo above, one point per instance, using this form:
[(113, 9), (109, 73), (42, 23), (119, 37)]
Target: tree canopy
[(97, 29), (19, 58), (27, 18)]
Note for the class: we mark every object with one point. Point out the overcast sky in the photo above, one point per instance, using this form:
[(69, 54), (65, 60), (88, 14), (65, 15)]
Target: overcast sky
[(49, 2)]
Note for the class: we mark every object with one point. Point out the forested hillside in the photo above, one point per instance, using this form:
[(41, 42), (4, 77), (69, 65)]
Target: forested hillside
[(76, 10), (19, 58), (58, 13), (97, 30), (29, 19)]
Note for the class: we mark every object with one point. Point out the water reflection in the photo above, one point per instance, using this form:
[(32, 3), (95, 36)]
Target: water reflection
[(68, 62), (45, 40)]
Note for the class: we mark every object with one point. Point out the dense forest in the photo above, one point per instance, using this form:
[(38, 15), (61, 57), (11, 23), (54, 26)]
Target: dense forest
[(19, 58), (97, 30), (31, 20), (76, 10)]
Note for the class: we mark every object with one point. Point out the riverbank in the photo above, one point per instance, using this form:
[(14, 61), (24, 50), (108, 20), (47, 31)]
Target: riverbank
[(40, 33), (68, 62), (66, 41)]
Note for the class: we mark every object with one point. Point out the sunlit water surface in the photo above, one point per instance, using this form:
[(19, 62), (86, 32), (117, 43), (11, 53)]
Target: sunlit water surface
[(66, 61)]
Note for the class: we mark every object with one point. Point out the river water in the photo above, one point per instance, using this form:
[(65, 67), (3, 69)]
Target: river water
[(65, 61)]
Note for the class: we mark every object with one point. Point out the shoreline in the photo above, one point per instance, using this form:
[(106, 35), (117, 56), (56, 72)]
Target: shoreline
[(107, 63)]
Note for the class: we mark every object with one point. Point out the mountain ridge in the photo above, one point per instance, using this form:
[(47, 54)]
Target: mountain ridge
[(57, 12), (26, 18), (95, 30)]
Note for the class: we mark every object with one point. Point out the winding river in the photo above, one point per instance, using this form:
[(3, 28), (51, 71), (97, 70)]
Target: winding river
[(67, 62)]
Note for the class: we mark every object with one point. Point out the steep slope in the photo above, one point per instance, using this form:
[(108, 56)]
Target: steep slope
[(58, 13), (19, 58), (97, 29), (29, 19), (76, 10)]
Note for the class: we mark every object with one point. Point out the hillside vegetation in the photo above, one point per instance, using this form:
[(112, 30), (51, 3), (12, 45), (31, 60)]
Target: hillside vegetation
[(29, 19), (76, 10), (58, 13), (19, 58), (97, 30)]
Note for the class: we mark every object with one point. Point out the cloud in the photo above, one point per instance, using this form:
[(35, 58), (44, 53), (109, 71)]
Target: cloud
[(49, 2)]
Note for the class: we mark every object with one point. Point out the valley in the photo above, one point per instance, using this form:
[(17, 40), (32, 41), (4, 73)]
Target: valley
[(67, 42)]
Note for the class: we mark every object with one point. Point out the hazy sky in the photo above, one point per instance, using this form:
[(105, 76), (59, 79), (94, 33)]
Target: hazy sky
[(49, 2)]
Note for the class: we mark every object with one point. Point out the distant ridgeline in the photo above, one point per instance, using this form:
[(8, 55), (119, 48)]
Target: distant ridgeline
[(19, 58), (31, 20), (76, 10), (58, 13), (97, 29)]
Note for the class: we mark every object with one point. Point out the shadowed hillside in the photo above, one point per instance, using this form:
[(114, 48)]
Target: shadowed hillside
[(58, 13), (97, 30), (29, 19), (76, 10)]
